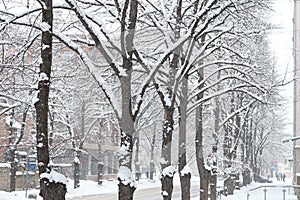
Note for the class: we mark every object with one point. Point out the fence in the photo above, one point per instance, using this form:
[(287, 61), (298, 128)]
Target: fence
[(23, 179), (285, 189)]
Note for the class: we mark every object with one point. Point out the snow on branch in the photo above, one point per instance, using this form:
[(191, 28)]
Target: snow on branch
[(290, 139), (6, 107), (14, 15), (190, 34), (238, 136), (164, 57), (93, 70), (246, 82), (247, 106), (93, 33), (229, 64), (186, 67), (220, 92)]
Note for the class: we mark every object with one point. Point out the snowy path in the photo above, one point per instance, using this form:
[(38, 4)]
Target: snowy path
[(274, 191), (142, 194), (272, 194), (147, 190)]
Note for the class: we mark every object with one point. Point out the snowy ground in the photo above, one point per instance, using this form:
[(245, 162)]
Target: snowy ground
[(86, 188), (274, 191), (91, 187)]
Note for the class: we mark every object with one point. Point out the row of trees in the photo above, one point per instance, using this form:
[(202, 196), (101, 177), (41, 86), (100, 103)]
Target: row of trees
[(204, 63)]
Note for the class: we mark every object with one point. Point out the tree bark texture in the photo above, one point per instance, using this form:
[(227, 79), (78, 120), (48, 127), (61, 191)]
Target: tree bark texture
[(48, 190), (229, 184), (185, 181), (213, 187), (204, 180), (77, 167), (41, 105), (126, 190), (204, 173), (13, 169), (11, 155), (217, 111), (76, 173), (53, 191), (167, 178), (136, 158), (13, 144), (168, 126), (166, 187), (100, 173), (152, 165), (127, 119)]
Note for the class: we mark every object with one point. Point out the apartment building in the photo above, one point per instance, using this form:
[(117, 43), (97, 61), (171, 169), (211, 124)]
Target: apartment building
[(296, 88)]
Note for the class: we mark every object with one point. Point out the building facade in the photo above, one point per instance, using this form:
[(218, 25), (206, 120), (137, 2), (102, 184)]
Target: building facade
[(296, 89)]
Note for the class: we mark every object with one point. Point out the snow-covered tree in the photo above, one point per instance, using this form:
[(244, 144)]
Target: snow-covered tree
[(53, 184), (198, 55)]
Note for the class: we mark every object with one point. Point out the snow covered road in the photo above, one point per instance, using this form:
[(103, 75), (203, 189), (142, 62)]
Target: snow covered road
[(143, 194), (274, 192)]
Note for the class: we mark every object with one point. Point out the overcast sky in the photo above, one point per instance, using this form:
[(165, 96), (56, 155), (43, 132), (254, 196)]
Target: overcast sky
[(282, 45), (282, 39)]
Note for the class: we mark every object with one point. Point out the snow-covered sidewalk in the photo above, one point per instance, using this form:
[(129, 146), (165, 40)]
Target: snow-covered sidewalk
[(91, 188), (274, 191), (86, 188)]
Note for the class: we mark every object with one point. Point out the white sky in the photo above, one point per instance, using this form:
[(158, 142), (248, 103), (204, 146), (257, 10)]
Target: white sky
[(282, 39), (282, 45)]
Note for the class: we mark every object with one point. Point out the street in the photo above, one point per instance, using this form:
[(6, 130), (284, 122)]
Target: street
[(142, 194)]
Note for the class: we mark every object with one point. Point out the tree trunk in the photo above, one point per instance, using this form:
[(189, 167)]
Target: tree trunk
[(213, 187), (167, 186), (213, 178), (77, 171), (204, 180), (11, 155), (13, 147), (48, 190), (204, 173), (77, 167), (167, 169), (136, 158), (185, 176), (213, 174), (53, 191), (168, 126), (127, 183), (13, 169), (100, 172), (152, 166)]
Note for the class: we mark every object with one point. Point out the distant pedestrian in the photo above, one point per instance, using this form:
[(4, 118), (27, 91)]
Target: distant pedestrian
[(280, 176), (283, 177), (277, 176)]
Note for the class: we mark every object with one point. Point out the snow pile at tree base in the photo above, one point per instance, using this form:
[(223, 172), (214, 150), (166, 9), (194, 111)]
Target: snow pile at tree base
[(55, 177)]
